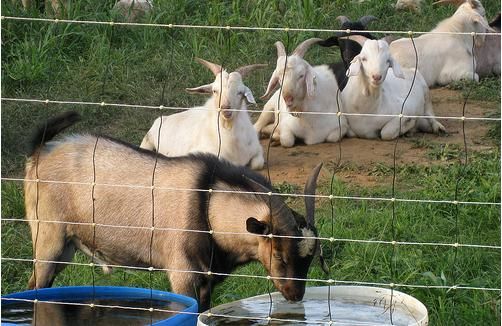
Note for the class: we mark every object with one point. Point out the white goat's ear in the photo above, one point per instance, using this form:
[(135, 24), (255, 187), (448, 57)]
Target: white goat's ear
[(480, 20), (310, 82), (204, 89), (396, 68), (272, 84), (355, 67), (249, 95)]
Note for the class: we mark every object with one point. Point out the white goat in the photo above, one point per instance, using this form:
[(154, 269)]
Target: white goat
[(370, 90), (305, 91), (196, 130), (443, 58)]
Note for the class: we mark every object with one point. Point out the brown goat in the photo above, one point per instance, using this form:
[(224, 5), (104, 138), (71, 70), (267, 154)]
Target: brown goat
[(72, 167)]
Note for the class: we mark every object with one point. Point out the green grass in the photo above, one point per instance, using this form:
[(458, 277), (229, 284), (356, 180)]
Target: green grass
[(153, 66)]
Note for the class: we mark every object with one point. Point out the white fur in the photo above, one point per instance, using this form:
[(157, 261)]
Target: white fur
[(196, 129), (306, 247), (363, 94), (320, 96), (444, 58)]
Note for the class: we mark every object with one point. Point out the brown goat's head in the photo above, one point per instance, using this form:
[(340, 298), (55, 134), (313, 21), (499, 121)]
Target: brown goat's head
[(287, 255)]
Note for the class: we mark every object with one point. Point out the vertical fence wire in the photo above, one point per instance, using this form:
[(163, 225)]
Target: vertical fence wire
[(336, 168), (37, 222), (269, 144), (211, 180), (152, 184), (462, 165), (393, 258), (37, 201), (93, 201)]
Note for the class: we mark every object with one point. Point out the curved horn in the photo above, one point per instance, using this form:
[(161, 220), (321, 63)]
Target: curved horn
[(453, 2), (281, 50), (215, 69), (305, 45), (343, 19), (356, 38), (365, 20), (309, 191), (244, 70)]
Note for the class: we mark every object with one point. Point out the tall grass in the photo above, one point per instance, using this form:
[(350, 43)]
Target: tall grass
[(152, 66)]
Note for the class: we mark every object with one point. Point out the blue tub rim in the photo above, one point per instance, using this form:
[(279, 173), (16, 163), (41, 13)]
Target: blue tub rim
[(64, 293)]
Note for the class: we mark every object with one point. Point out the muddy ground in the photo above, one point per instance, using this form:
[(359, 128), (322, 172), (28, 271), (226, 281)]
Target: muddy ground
[(360, 156)]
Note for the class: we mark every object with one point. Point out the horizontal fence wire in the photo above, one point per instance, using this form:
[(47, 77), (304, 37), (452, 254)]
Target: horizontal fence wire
[(202, 108), (228, 27), (330, 239), (320, 196), (263, 277)]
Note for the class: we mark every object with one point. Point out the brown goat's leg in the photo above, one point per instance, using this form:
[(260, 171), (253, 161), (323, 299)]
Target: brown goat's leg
[(191, 285), (50, 246)]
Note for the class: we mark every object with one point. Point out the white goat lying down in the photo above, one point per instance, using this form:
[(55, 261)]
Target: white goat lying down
[(371, 90), (304, 89), (196, 129), (443, 58)]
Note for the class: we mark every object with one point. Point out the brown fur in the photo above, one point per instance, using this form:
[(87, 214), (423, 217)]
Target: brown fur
[(71, 160)]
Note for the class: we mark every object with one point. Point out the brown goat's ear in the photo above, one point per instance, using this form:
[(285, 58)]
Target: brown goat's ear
[(256, 227)]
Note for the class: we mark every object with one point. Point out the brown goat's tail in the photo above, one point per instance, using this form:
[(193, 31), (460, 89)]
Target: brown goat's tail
[(51, 128)]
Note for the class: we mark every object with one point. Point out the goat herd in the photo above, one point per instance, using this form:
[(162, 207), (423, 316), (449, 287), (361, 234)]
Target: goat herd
[(366, 97), (171, 213)]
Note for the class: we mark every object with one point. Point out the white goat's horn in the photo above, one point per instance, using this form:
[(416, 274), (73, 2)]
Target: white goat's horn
[(453, 2), (305, 45), (281, 50), (244, 70), (215, 69), (343, 19)]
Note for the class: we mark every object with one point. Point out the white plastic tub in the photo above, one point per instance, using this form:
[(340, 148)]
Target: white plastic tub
[(350, 305)]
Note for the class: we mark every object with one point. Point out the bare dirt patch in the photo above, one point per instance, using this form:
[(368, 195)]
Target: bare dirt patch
[(361, 156)]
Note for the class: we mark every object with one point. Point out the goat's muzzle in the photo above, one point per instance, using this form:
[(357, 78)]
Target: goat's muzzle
[(227, 113), (292, 292)]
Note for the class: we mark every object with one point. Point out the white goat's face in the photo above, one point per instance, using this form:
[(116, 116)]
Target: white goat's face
[(473, 13), (297, 81), (374, 62), (228, 93), (294, 83)]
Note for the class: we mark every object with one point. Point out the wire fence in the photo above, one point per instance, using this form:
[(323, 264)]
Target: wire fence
[(333, 197)]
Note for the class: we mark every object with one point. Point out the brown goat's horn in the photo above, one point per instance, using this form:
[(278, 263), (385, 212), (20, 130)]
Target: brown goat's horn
[(302, 48), (309, 191), (281, 50), (365, 20), (244, 70), (453, 2), (343, 19), (215, 69)]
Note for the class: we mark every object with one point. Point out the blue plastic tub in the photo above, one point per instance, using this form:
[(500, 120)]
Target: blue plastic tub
[(186, 317)]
